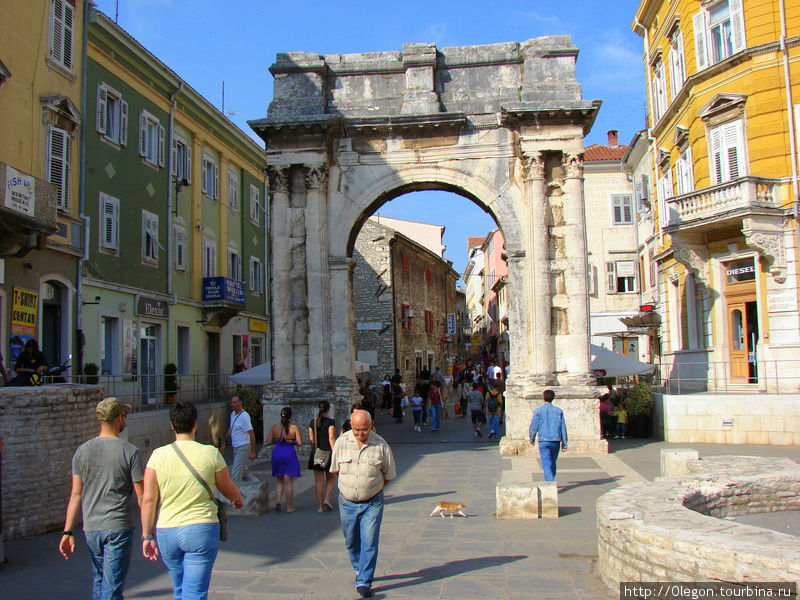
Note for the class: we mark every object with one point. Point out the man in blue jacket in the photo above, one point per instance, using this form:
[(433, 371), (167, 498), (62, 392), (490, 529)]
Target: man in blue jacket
[(548, 423)]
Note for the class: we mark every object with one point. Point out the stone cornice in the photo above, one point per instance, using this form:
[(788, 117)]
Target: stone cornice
[(581, 111)]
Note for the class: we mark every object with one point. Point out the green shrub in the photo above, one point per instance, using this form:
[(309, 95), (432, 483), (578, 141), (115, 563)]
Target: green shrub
[(639, 400), (90, 371), (170, 380), (251, 401)]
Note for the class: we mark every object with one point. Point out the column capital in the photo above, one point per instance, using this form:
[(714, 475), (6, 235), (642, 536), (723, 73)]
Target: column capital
[(532, 165), (315, 175), (573, 165), (278, 176), (340, 263)]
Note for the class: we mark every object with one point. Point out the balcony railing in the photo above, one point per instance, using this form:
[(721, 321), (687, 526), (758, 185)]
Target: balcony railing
[(27, 209), (730, 199)]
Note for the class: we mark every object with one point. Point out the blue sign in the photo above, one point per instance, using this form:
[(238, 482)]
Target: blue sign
[(222, 289)]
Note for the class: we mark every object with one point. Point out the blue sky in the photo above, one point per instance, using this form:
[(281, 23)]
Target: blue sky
[(208, 42)]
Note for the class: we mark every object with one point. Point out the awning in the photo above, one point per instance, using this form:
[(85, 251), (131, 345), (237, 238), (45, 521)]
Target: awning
[(258, 375), (606, 363), (642, 323)]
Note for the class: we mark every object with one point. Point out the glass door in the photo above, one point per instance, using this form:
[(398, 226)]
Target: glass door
[(147, 363)]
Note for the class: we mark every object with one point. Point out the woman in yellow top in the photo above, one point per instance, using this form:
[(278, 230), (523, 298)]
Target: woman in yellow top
[(187, 531)]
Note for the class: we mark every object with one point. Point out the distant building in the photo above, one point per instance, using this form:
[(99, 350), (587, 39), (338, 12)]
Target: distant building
[(403, 293)]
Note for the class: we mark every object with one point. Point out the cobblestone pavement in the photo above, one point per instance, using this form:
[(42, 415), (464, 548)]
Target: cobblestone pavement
[(302, 555)]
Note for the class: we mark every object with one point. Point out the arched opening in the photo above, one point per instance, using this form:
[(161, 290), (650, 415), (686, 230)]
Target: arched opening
[(55, 340)]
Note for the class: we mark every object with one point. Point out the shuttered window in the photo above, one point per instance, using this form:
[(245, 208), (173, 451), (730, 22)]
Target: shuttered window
[(718, 32), (256, 276), (111, 117), (149, 237), (233, 191), (180, 248), (622, 208), (181, 160), (151, 139), (58, 146), (727, 151), (234, 265), (255, 204), (62, 23), (665, 191), (684, 172), (209, 258), (659, 88), (677, 62), (621, 277), (109, 222), (210, 177)]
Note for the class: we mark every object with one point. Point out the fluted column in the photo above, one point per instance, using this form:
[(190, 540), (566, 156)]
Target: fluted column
[(282, 325), (577, 356), (541, 348), (317, 271), (341, 316)]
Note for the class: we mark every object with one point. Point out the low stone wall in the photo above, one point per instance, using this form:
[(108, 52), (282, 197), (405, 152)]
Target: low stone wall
[(669, 530), (42, 427), (728, 418)]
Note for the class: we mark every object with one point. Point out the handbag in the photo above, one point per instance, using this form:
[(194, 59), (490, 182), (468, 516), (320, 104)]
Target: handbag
[(222, 507), (322, 458)]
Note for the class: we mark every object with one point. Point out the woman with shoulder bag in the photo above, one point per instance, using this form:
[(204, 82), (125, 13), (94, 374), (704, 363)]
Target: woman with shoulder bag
[(322, 432), (188, 531)]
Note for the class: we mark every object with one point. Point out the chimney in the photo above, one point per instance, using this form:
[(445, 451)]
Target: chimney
[(612, 137)]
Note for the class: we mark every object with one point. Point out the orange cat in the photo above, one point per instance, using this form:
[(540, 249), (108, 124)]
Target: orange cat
[(451, 507)]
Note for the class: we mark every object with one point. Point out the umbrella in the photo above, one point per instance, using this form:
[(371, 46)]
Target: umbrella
[(258, 375), (606, 363)]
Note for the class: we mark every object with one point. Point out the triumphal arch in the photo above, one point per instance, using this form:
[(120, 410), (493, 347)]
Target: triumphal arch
[(500, 124)]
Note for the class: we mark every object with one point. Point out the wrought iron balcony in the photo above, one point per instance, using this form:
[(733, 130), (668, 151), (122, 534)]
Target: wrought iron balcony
[(27, 211), (723, 204)]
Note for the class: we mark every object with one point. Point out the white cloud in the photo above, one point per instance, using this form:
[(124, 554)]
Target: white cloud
[(617, 58)]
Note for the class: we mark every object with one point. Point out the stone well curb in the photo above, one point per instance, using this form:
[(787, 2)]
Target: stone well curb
[(674, 529)]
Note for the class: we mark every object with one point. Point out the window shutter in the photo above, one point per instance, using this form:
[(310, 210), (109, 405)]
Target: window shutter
[(679, 175), (627, 209), (188, 170), (123, 123), (161, 145), (592, 275), (213, 257), (737, 25), (214, 181), (58, 165), (142, 134), (716, 154), (180, 249), (734, 146), (110, 211), (638, 196), (173, 157), (151, 226), (57, 29), (700, 23), (69, 23), (230, 264), (251, 275), (611, 278), (688, 169), (102, 99), (206, 171)]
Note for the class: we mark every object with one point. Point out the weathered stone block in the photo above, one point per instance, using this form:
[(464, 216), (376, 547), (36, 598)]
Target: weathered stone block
[(255, 494), (527, 500), (675, 462), (547, 492)]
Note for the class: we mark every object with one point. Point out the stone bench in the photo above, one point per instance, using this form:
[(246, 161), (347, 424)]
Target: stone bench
[(521, 500), (673, 529)]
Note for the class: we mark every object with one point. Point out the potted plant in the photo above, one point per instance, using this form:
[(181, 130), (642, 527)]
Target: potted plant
[(90, 371), (639, 405), (171, 386)]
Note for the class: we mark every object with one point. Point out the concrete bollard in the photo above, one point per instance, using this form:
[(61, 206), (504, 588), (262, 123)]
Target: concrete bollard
[(535, 500), (255, 494), (675, 462)]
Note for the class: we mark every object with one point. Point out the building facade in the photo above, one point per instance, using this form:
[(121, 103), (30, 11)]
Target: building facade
[(41, 232), (723, 79), (403, 293), (175, 198), (614, 273)]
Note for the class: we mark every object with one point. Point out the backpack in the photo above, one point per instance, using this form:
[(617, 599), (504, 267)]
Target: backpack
[(492, 404)]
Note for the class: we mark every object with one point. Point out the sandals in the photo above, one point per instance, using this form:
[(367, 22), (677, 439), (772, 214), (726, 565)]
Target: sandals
[(327, 506)]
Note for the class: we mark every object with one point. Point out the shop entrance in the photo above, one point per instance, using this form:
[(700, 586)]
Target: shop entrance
[(742, 320), (147, 363)]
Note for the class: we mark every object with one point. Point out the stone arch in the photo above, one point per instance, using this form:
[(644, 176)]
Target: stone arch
[(501, 125)]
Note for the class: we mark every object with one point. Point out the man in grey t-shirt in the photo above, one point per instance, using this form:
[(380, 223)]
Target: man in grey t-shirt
[(106, 471), (475, 399)]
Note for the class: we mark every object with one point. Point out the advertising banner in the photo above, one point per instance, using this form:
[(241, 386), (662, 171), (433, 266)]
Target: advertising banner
[(451, 323), (19, 192), (24, 308)]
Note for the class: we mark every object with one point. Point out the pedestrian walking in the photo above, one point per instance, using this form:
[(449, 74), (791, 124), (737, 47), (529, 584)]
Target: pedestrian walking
[(435, 399), (494, 410), (476, 409), (464, 388), (365, 465), (285, 466), (106, 472), (243, 438), (416, 408), (179, 480), (322, 434), (548, 423)]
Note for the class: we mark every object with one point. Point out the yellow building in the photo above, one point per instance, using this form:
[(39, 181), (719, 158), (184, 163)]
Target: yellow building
[(723, 80), (41, 234)]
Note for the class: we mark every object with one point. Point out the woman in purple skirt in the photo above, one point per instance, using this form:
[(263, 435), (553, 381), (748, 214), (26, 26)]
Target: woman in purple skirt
[(285, 465)]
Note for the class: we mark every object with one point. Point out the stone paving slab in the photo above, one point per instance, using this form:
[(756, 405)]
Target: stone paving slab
[(302, 555)]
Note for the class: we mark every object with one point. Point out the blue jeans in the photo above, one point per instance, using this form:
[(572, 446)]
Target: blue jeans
[(110, 551), (361, 525), (494, 423), (436, 416), (189, 553), (417, 415), (240, 456), (548, 452)]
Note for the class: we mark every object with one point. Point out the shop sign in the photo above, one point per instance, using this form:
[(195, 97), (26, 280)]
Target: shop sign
[(451, 323), (741, 270), (223, 289), (19, 195), (24, 308), (150, 307), (258, 325), (476, 339)]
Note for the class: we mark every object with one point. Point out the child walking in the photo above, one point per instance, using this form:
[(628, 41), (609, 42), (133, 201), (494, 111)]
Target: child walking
[(416, 408), (622, 420)]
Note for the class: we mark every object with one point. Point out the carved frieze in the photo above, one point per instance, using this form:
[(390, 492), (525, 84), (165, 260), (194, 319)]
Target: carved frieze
[(315, 176), (694, 258), (767, 239)]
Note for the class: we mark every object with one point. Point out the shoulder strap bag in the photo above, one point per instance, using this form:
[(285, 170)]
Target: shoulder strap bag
[(222, 512), (322, 458)]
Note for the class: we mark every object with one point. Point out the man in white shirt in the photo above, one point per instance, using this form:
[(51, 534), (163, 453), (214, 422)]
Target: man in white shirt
[(242, 438)]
